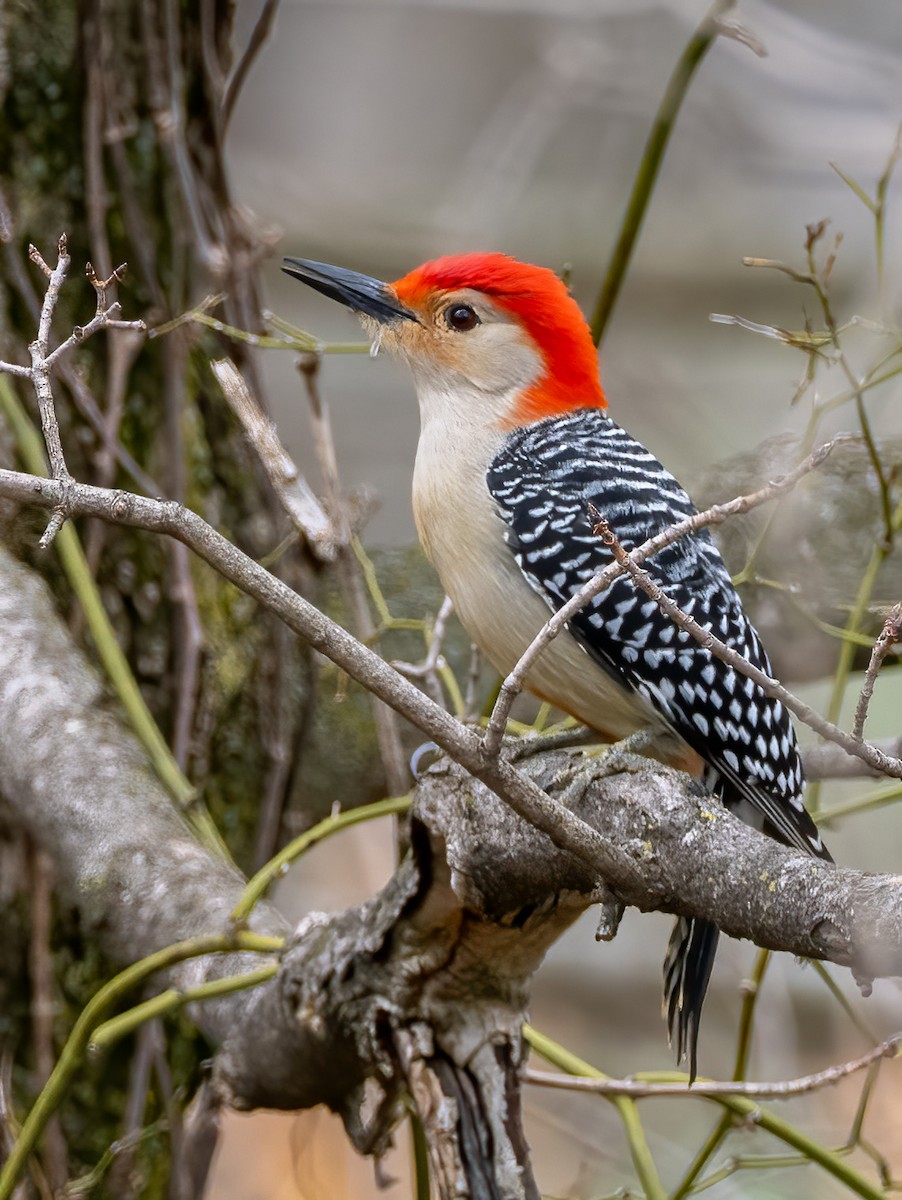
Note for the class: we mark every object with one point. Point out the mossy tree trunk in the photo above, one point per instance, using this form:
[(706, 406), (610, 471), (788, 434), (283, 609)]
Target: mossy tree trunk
[(114, 116)]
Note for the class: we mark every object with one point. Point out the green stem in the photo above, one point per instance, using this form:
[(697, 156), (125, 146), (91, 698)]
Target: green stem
[(291, 338), (75, 565), (753, 1113), (170, 1001), (743, 1047), (559, 1057), (871, 380), (882, 481), (869, 1035), (277, 866), (747, 1014), (73, 1052), (650, 164), (738, 1106), (877, 798), (372, 583), (420, 1158), (880, 216), (853, 626)]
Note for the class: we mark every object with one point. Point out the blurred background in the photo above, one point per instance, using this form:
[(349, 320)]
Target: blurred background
[(376, 135), (382, 133)]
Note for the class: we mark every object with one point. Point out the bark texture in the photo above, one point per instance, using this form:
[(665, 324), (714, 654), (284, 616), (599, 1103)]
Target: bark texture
[(80, 782), (421, 991)]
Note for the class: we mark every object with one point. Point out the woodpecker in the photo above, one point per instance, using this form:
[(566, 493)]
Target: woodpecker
[(515, 446)]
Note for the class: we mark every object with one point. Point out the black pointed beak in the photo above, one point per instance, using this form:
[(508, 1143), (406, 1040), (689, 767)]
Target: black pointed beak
[(360, 292)]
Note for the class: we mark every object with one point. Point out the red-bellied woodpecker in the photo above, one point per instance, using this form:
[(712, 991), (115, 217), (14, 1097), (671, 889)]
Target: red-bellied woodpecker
[(515, 446)]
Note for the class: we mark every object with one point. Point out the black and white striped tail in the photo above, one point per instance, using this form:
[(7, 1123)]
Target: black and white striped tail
[(687, 969), (693, 943)]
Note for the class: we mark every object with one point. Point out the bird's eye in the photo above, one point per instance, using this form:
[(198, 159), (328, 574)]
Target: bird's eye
[(461, 317)]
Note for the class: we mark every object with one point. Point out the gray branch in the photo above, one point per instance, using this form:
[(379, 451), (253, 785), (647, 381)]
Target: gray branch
[(82, 785), (422, 990)]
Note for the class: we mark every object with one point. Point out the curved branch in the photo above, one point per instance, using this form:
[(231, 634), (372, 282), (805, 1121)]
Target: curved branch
[(361, 663), (81, 782), (365, 1008)]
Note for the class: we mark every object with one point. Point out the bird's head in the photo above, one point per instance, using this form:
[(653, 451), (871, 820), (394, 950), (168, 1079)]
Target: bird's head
[(505, 334)]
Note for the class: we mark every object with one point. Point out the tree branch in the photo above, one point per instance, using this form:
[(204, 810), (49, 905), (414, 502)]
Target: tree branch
[(643, 1087), (715, 515), (866, 751), (81, 783), (890, 635), (365, 1008), (335, 643), (830, 761)]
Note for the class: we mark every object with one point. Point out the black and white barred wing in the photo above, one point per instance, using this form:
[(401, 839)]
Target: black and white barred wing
[(543, 481)]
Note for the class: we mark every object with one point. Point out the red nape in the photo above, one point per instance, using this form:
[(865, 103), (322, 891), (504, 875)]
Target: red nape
[(542, 304)]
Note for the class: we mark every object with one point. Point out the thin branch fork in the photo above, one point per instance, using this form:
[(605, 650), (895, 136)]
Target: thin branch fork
[(890, 635), (297, 498), (43, 360), (330, 639), (40, 371), (609, 853), (715, 515), (434, 656), (643, 1089), (428, 668), (866, 751)]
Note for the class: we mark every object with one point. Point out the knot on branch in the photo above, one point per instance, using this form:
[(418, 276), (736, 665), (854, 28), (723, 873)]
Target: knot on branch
[(422, 991)]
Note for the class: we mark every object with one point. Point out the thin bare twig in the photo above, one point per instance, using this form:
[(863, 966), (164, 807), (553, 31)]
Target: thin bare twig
[(427, 668), (101, 285), (105, 319), (173, 1111), (40, 356), (188, 633), (15, 369), (781, 1090), (79, 390), (890, 636), (297, 497), (122, 351), (870, 754), (715, 515), (43, 360), (388, 734), (43, 1006), (829, 761), (146, 1041), (472, 686), (40, 379), (259, 34)]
